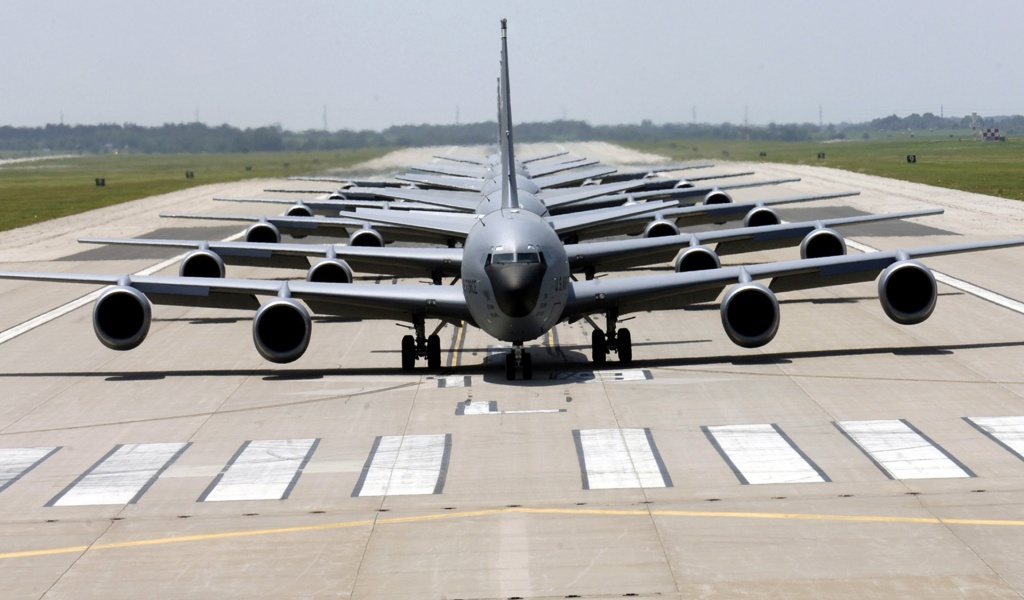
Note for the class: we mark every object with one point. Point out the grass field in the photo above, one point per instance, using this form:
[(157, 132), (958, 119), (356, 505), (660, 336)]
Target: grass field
[(962, 163), (36, 191)]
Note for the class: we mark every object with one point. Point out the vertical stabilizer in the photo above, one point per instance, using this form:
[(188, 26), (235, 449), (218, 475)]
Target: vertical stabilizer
[(509, 191)]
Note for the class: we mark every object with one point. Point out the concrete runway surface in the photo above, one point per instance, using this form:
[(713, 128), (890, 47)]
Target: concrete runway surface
[(850, 457)]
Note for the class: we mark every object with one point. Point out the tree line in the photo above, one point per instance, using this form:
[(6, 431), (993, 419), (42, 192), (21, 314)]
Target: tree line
[(200, 138)]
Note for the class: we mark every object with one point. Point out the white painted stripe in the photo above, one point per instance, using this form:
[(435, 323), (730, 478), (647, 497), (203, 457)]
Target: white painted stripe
[(491, 408), (1008, 431), (120, 477), (619, 458), (604, 376), (405, 465), (963, 286), (761, 454), (15, 462), (9, 334), (265, 470), (900, 451)]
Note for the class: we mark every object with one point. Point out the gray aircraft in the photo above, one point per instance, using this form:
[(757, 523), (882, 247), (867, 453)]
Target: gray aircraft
[(516, 286)]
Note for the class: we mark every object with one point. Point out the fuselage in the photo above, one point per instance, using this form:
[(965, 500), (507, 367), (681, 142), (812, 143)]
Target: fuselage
[(515, 275)]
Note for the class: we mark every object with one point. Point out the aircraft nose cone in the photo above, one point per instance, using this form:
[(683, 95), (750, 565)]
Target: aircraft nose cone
[(516, 286)]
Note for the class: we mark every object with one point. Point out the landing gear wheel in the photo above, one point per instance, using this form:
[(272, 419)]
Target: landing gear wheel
[(510, 367), (624, 342), (599, 347), (408, 353), (434, 352), (527, 366)]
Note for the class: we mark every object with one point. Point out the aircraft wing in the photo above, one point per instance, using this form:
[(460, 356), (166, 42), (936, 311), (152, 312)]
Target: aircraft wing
[(448, 225), (455, 170), (448, 182), (581, 221), (572, 177), (678, 290), (569, 196), (552, 168), (451, 199), (538, 157)]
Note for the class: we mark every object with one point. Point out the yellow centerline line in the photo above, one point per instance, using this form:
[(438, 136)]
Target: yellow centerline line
[(518, 510)]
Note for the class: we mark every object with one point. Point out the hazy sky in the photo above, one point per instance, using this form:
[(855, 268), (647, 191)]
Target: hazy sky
[(377, 63)]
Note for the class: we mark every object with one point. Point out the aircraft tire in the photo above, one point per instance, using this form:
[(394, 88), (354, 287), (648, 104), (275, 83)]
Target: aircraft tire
[(433, 353), (510, 367), (599, 347), (408, 353), (527, 366), (625, 346)]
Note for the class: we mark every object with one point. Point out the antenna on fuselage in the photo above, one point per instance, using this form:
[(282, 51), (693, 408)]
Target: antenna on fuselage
[(509, 192)]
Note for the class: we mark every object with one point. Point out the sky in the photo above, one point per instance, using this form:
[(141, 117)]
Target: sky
[(372, 64)]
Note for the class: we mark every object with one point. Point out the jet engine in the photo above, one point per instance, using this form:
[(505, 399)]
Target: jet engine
[(121, 317), (264, 233), (366, 237), (750, 315), (696, 258), (716, 196), (337, 196), (760, 216), (907, 292), (299, 210), (281, 330), (822, 242), (660, 228), (202, 263), (330, 270)]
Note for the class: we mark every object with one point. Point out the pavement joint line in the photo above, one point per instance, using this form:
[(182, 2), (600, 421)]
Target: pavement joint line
[(520, 510), (37, 321)]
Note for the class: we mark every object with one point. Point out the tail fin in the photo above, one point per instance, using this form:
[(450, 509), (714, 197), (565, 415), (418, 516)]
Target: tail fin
[(509, 191)]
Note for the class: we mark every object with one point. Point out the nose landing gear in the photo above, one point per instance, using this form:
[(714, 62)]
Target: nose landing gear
[(518, 358)]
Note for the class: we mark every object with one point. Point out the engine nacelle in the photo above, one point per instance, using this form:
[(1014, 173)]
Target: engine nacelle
[(660, 228), (281, 330), (907, 292), (697, 258), (121, 317), (717, 196), (366, 237), (821, 243), (263, 233), (750, 315), (202, 263), (299, 210), (681, 184), (761, 216), (330, 270), (337, 196)]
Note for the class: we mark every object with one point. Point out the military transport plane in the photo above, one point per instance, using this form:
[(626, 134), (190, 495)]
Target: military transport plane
[(515, 287)]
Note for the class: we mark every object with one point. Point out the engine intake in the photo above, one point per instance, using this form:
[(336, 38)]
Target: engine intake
[(281, 330), (121, 317), (717, 196), (697, 258), (366, 237), (907, 292), (299, 210), (202, 263), (821, 243), (660, 228), (761, 216), (750, 315), (263, 233), (330, 270)]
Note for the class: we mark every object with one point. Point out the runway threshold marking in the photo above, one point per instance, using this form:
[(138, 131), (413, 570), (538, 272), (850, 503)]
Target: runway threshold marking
[(405, 465), (37, 321), (619, 459), (120, 477), (762, 453), (16, 462), (696, 514), (901, 451), (261, 470), (1008, 432)]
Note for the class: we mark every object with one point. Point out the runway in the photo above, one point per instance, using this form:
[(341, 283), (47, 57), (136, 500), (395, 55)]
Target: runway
[(850, 457)]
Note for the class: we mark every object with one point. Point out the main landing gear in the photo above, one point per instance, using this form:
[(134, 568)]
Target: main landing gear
[(615, 340), (518, 358), (421, 346)]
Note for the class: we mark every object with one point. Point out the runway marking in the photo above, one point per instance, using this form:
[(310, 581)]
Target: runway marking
[(455, 381), (261, 470), (491, 408), (901, 451), (405, 465), (762, 453), (694, 514), (120, 477), (964, 286), (16, 462), (619, 459), (603, 376), (1008, 432), (37, 321)]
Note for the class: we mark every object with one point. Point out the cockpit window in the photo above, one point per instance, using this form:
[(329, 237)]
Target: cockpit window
[(503, 258), (515, 258), (528, 257)]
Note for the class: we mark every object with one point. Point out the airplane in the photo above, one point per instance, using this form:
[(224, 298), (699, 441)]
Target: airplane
[(516, 286)]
